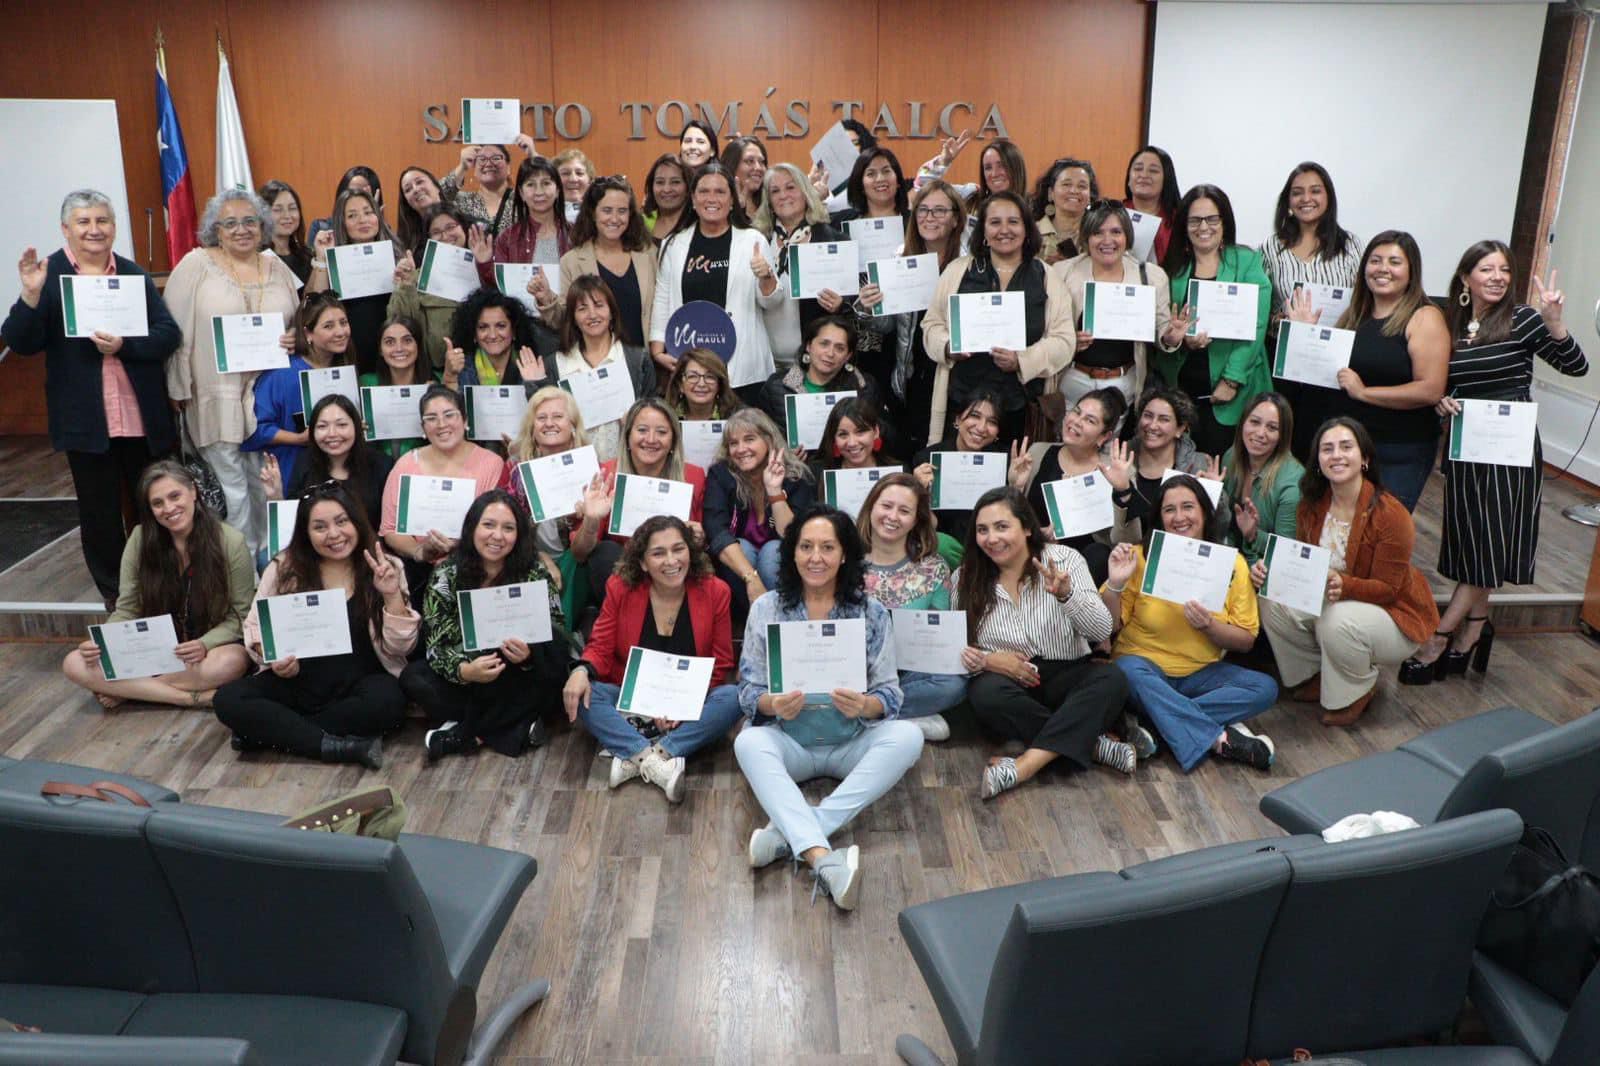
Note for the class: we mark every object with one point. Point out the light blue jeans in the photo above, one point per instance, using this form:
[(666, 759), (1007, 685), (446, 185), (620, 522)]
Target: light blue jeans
[(764, 559), (867, 765), (1190, 712), (618, 736), (927, 694)]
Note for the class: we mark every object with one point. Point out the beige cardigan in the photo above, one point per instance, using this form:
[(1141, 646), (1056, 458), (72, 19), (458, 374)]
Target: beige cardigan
[(582, 260), (1046, 358), (1075, 272)]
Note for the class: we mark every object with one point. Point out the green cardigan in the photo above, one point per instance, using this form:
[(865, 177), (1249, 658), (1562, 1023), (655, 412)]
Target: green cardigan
[(1276, 507), (1241, 361), (241, 587)]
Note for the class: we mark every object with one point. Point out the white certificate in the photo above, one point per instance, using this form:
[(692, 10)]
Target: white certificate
[(356, 270), (554, 484), (1212, 486), (1312, 354), (103, 303), (495, 411), (981, 321), (1297, 574), (835, 152), (1329, 301), (304, 625), (513, 280), (490, 616), (249, 342), (817, 657), (959, 478), (447, 272), (1499, 432), (848, 489), (1079, 505), (488, 120), (433, 504), (806, 416), (929, 642), (876, 238), (603, 394), (1224, 310), (143, 647), (390, 412), (638, 497), (824, 265), (907, 283), (315, 384), (701, 441), (1118, 312), (658, 685), (280, 524), (1181, 569), (1145, 228)]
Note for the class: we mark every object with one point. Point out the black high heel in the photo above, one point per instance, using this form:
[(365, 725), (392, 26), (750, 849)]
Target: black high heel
[(1477, 656), (1416, 672)]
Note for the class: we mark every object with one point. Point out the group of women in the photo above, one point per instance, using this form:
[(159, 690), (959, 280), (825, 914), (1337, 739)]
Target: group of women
[(1068, 654)]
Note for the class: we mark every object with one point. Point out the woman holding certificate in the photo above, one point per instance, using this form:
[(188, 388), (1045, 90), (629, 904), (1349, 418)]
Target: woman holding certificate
[(711, 257), (1399, 364), (1262, 478), (905, 572), (753, 491), (792, 212), (591, 338), (538, 232), (1377, 607), (322, 340), (1060, 199), (336, 452), (1152, 188), (1118, 357), (976, 430), (665, 600), (489, 690), (401, 361), (185, 567), (852, 438), (825, 365), (450, 227), (1171, 653), (817, 680), (1014, 348), (610, 242), (1219, 373), (939, 228), (357, 220), (1032, 615), (1491, 511), (493, 341), (1308, 247), (105, 393), (329, 707)]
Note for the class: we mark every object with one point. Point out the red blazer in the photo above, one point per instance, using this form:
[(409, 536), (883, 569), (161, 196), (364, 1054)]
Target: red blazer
[(1377, 561), (695, 476), (622, 619)]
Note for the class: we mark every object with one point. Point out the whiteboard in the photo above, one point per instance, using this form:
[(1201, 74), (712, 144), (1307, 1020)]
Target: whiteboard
[(71, 144)]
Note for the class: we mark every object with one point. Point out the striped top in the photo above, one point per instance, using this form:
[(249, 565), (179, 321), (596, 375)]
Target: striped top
[(1504, 370), (1285, 268), (1039, 625)]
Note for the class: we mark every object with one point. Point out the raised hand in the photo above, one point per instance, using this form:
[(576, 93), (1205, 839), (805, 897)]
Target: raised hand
[(32, 271), (1057, 582), (469, 156), (1246, 519), (385, 571), (405, 270), (759, 265), (1021, 464), (1121, 565), (526, 143), (529, 365), (323, 241), (1551, 300), (1177, 325), (819, 178), (953, 146), (539, 288), (271, 476), (1299, 308), (1118, 465), (480, 242), (773, 473), (455, 361), (1213, 470)]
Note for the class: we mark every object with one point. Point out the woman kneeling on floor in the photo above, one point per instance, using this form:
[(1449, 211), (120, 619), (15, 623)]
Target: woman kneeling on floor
[(663, 597), (332, 707)]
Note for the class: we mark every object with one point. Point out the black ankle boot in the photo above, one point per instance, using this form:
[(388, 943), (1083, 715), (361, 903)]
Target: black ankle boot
[(244, 744), (368, 751)]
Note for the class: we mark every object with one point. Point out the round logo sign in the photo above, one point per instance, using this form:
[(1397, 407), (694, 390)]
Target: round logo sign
[(701, 324)]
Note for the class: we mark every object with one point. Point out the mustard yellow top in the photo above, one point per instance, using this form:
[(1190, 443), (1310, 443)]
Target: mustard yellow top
[(1156, 629)]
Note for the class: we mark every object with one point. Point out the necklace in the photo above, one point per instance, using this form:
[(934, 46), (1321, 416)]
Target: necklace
[(227, 261), (1472, 329)]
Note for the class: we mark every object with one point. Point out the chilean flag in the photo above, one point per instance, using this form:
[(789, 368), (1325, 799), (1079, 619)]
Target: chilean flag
[(177, 190)]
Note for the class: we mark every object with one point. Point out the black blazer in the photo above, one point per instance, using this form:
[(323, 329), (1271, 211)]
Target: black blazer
[(72, 366), (723, 515)]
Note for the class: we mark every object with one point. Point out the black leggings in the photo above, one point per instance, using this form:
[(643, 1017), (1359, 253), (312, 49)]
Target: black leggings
[(499, 713), (1066, 712), (279, 713)]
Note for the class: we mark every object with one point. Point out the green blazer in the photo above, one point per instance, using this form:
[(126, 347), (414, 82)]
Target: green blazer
[(1241, 361), (1276, 507)]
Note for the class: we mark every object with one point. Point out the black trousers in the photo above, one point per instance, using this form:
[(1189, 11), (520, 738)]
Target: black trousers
[(282, 714), (498, 713), (102, 480), (1066, 712), (601, 562)]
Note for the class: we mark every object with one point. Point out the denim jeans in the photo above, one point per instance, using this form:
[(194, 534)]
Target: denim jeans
[(1191, 711), (618, 736), (927, 694), (868, 765), (764, 559)]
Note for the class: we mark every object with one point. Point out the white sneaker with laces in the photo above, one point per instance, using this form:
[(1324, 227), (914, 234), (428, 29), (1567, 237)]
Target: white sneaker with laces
[(664, 771), (623, 770), (839, 874), (767, 846), (934, 727)]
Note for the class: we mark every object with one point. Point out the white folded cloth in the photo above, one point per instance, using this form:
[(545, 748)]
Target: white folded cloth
[(1356, 826)]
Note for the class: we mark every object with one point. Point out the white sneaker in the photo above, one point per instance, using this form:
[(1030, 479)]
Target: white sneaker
[(623, 770), (839, 875), (934, 727), (767, 846), (664, 771)]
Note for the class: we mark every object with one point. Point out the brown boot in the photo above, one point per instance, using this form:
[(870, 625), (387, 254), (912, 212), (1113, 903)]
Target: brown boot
[(1349, 715), (1308, 691)]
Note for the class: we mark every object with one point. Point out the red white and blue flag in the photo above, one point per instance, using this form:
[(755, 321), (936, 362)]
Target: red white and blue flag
[(177, 189)]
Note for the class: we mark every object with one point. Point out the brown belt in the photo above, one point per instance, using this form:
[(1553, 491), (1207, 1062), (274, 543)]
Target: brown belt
[(1103, 373)]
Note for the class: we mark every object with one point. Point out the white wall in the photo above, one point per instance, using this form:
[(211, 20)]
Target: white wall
[(1419, 111)]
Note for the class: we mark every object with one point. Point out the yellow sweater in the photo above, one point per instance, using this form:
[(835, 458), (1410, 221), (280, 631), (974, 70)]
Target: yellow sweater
[(1156, 629)]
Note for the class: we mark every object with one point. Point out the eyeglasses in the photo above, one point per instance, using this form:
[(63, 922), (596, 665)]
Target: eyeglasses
[(694, 377), (933, 212), (247, 222), (1199, 222), (442, 418)]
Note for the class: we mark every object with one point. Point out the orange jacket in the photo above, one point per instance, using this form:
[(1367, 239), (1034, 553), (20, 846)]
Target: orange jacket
[(1378, 566)]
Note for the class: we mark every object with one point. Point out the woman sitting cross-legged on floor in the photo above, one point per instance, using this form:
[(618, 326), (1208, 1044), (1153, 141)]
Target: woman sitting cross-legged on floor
[(853, 736), (1032, 614), (181, 561), (332, 707), (663, 597), (1172, 653)]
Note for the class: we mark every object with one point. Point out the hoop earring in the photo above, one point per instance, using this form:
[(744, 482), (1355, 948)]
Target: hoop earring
[(805, 358), (1465, 299)]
